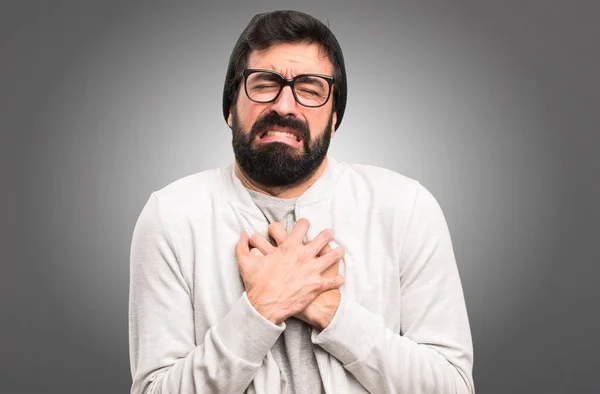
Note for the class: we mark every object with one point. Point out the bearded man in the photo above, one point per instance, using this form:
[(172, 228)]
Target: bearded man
[(288, 271)]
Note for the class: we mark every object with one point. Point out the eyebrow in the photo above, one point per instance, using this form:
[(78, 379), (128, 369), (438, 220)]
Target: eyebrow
[(266, 77), (311, 79), (271, 67)]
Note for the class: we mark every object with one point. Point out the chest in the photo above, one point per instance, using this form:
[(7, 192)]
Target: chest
[(370, 266)]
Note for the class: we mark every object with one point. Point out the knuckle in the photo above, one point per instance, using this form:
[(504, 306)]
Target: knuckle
[(286, 247), (256, 252), (305, 254), (317, 285)]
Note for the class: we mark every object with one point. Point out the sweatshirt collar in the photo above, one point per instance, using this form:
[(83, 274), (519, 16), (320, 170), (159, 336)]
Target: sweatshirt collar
[(318, 191)]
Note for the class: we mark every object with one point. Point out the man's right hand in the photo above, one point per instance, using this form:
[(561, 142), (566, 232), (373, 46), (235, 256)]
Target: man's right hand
[(286, 280)]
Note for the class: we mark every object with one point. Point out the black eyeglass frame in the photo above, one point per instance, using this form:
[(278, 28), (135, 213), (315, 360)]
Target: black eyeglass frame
[(283, 82)]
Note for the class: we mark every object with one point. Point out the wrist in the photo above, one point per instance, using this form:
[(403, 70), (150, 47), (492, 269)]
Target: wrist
[(327, 310), (266, 309)]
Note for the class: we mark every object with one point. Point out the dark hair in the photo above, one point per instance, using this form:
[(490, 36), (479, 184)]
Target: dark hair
[(286, 26)]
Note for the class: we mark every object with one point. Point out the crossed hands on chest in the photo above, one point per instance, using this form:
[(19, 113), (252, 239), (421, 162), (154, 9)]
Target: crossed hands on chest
[(293, 278)]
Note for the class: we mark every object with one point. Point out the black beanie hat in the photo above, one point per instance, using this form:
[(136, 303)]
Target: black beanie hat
[(242, 48)]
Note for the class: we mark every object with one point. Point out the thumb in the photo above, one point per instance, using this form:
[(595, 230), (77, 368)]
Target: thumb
[(242, 248), (243, 255)]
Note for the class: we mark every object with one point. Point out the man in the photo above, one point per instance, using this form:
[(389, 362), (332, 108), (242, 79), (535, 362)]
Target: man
[(287, 271)]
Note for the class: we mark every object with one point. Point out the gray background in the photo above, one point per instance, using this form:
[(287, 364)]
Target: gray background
[(492, 105)]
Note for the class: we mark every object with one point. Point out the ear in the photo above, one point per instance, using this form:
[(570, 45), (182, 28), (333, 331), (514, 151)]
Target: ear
[(333, 123), (229, 121)]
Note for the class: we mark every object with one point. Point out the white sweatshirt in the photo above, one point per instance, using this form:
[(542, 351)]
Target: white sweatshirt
[(401, 326)]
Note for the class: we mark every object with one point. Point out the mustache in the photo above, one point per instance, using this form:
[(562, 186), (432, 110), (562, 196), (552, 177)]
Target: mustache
[(273, 119)]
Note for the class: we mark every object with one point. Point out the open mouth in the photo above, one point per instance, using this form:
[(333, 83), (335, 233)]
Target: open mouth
[(287, 136)]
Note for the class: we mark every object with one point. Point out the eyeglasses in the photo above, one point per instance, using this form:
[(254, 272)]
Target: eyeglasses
[(264, 86)]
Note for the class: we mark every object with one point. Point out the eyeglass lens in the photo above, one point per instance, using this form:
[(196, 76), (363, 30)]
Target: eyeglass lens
[(310, 90)]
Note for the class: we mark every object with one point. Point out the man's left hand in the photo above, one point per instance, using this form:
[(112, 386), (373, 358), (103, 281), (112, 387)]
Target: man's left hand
[(320, 312)]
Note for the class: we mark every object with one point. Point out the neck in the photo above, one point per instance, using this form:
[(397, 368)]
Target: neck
[(280, 191)]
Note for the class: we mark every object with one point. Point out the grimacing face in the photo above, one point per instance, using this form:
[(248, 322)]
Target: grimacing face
[(282, 143)]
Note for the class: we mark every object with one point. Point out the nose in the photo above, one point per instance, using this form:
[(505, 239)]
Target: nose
[(285, 104)]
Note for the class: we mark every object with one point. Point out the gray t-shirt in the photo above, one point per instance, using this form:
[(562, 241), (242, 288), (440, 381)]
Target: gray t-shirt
[(293, 351)]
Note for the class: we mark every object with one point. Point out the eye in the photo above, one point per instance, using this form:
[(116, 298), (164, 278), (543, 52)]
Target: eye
[(309, 92), (265, 86)]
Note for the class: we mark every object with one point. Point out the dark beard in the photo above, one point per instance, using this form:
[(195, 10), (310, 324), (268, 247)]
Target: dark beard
[(277, 164)]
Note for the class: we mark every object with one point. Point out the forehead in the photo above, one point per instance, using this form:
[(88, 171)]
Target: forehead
[(291, 59)]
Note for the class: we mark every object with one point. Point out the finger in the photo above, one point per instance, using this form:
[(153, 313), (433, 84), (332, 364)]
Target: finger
[(331, 283), (332, 270), (299, 231), (319, 242), (277, 232), (256, 252), (242, 248), (330, 258), (260, 242), (326, 249)]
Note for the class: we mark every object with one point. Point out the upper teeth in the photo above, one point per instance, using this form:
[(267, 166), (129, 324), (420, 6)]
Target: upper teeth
[(283, 133)]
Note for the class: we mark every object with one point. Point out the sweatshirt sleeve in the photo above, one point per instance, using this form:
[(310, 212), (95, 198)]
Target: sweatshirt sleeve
[(165, 355), (433, 352)]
